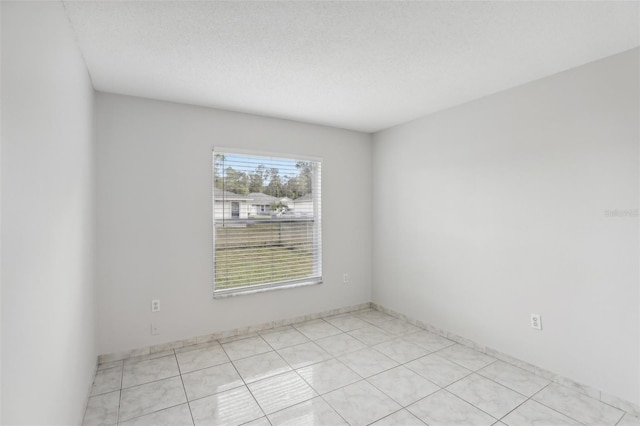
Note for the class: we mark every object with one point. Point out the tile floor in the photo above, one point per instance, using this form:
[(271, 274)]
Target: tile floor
[(355, 369)]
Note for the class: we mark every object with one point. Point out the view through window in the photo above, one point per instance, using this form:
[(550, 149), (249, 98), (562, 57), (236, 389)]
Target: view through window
[(267, 222)]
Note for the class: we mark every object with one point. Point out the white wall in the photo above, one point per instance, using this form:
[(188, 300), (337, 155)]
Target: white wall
[(154, 219), (509, 196), (48, 327)]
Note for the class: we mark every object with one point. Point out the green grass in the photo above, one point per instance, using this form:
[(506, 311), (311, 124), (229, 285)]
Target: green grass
[(239, 267)]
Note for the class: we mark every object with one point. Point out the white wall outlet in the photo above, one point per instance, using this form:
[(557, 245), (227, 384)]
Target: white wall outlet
[(345, 278), (154, 330), (536, 321), (155, 305)]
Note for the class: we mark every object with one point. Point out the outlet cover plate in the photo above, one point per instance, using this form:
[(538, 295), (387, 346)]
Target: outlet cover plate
[(536, 322)]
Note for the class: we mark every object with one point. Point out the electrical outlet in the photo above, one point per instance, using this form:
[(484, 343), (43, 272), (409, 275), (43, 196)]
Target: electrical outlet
[(345, 278), (154, 330), (536, 321), (155, 305)]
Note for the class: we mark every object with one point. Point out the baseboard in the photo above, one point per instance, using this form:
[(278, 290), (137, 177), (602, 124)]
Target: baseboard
[(612, 400), (117, 356)]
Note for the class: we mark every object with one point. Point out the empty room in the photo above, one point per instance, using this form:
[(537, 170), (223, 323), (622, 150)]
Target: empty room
[(320, 213)]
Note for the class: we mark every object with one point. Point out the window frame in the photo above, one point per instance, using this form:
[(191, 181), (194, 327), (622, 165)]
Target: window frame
[(317, 277)]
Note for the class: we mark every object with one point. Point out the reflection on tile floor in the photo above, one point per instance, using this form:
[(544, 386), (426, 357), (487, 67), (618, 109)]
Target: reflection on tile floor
[(363, 368)]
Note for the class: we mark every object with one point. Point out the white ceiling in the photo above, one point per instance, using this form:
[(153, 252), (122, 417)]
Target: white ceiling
[(357, 65)]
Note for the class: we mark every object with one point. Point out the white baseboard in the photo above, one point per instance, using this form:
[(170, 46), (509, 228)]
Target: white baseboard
[(117, 356), (549, 375)]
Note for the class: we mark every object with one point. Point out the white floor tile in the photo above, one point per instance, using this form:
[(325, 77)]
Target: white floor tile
[(148, 398), (150, 370), (212, 380), (346, 322), (245, 348), (107, 380), (197, 359), (578, 406), (629, 420), (102, 409), (466, 357), (430, 341), (285, 338), (314, 412), (403, 385), (261, 366), (397, 327), (262, 421), (399, 418), (340, 344), (282, 391), (357, 368), (438, 370), (514, 378), (401, 350), (317, 329), (302, 355), (232, 407), (533, 413), (361, 403), (327, 376), (367, 362), (373, 316), (489, 396), (445, 409), (371, 335), (179, 415)]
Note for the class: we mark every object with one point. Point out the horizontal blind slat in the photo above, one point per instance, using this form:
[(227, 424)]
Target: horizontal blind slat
[(278, 250)]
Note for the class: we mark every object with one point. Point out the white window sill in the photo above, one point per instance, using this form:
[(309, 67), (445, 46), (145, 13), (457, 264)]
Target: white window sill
[(221, 294)]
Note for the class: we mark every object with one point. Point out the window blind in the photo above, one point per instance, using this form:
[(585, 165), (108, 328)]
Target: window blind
[(267, 222)]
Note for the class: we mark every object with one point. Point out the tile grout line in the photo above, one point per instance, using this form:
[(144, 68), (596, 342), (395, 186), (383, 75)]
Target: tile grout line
[(331, 357), (473, 405), (217, 336), (551, 408), (236, 368), (362, 379), (342, 332), (527, 398), (472, 371), (394, 413), (551, 382), (292, 370), (399, 364), (321, 396), (153, 412), (184, 389), (120, 396), (556, 378), (362, 312), (246, 385), (146, 383), (623, 416), (366, 379), (332, 407)]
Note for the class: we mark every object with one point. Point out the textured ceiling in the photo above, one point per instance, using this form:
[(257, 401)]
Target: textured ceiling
[(357, 65)]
